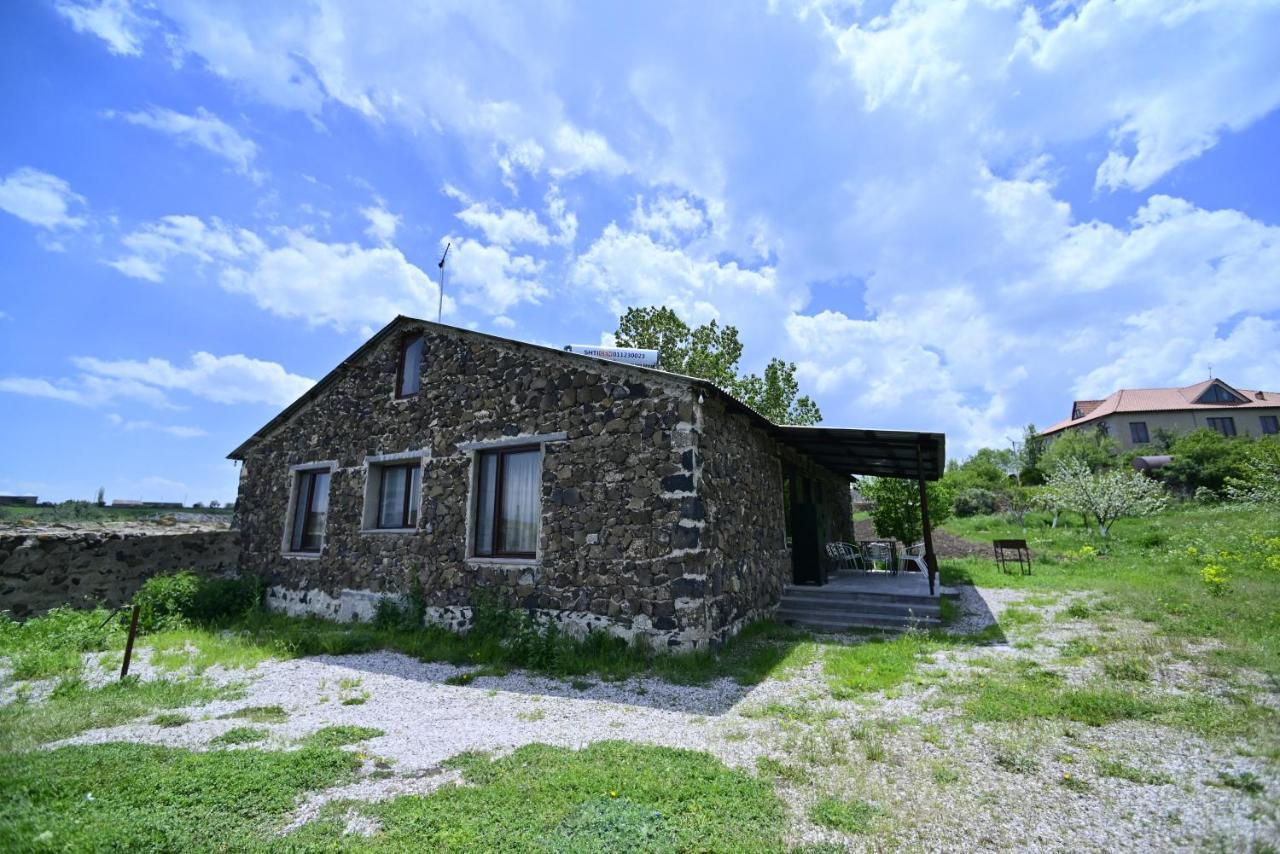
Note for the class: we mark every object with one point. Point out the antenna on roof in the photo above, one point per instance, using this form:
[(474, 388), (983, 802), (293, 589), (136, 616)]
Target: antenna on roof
[(440, 307)]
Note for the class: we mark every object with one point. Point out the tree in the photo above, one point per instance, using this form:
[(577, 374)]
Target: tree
[(1030, 452), (1206, 458), (896, 506), (1091, 447), (1103, 496), (712, 352), (101, 498), (1259, 482)]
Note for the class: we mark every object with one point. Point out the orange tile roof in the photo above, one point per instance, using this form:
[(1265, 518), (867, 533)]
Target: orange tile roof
[(1163, 400)]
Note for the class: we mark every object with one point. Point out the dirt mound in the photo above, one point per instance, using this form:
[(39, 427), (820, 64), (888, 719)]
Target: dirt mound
[(944, 544)]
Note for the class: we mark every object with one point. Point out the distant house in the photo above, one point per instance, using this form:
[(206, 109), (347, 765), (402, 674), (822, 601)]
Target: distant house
[(151, 505), (19, 500), (1133, 415), (598, 495)]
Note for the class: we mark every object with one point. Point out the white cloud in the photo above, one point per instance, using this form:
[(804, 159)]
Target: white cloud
[(1162, 79), (503, 226), (41, 199), (628, 268), (155, 244), (181, 431), (585, 151), (113, 21), (205, 130), (382, 223), (668, 219), (490, 278), (221, 379), (343, 285)]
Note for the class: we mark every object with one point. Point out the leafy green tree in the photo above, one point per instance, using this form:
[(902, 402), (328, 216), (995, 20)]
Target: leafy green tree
[(1206, 459), (1259, 482), (1030, 452), (1092, 447), (712, 352), (896, 506)]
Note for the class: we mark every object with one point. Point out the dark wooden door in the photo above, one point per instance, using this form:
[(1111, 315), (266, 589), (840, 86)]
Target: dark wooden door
[(806, 546)]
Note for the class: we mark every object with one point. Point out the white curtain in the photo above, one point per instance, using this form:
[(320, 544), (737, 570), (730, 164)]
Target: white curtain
[(521, 502)]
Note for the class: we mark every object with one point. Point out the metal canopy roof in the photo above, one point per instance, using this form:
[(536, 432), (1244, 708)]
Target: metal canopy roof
[(881, 453)]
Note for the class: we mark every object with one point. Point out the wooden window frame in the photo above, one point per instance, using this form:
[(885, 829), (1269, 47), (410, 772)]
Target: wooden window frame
[(1226, 420), (405, 342), (307, 480), (408, 494), (498, 471), (1273, 421), (1133, 433)]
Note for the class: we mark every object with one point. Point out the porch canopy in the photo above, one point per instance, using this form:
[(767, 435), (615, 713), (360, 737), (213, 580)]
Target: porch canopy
[(880, 453)]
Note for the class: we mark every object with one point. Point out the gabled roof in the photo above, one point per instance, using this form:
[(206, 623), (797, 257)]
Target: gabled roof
[(1183, 399), (886, 453)]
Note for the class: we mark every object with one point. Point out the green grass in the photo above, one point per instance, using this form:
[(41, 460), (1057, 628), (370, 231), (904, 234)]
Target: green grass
[(241, 735), (132, 797), (611, 796), (259, 714), (87, 511), (846, 816), (1149, 568), (337, 736), (1123, 771), (168, 720), (74, 708)]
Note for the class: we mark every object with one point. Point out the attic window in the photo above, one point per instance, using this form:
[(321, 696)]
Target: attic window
[(409, 372), (1218, 394)]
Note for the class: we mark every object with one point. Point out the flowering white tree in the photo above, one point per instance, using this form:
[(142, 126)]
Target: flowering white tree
[(1103, 496)]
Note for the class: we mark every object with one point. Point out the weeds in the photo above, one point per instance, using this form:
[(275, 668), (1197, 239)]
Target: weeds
[(1120, 770), (852, 816), (241, 735)]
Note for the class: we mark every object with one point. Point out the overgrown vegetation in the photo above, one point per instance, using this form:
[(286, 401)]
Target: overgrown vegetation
[(1154, 569), (610, 796), (134, 797)]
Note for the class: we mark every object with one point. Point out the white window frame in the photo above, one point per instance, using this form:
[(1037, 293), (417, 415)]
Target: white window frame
[(373, 466), (291, 510), (473, 451)]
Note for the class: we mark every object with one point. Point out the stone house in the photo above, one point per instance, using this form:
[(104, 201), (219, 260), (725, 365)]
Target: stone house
[(596, 494)]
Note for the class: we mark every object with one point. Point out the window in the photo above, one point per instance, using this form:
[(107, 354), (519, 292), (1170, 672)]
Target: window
[(508, 502), (1138, 432), (1225, 426), (1217, 394), (310, 510), (1270, 424), (409, 374), (399, 488)]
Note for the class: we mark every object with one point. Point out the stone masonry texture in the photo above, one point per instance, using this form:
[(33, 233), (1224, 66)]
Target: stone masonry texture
[(661, 512), (83, 569)]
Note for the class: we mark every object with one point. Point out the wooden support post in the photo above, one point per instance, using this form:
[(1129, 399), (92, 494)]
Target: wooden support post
[(930, 559), (128, 644)]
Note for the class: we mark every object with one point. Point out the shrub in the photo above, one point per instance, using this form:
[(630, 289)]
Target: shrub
[(178, 599), (896, 506), (974, 502), (165, 601)]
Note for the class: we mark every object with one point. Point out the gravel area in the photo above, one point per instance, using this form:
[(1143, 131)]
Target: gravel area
[(940, 781)]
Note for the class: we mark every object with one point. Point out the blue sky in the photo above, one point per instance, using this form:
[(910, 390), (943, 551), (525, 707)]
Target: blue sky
[(952, 216)]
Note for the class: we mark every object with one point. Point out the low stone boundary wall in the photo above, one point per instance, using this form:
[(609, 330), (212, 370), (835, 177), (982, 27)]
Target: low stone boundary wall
[(41, 571)]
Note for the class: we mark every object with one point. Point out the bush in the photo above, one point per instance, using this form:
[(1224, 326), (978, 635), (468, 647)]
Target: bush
[(165, 601), (176, 600), (974, 502)]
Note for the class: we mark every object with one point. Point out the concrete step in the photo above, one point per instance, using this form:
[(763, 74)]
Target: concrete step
[(818, 594), (888, 609), (852, 621)]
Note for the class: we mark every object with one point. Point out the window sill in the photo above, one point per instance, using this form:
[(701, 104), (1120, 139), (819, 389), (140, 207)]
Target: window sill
[(504, 561), (388, 530), (301, 555)]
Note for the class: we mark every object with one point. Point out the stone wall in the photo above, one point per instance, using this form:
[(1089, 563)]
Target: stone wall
[(623, 542), (88, 568)]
